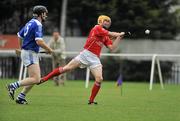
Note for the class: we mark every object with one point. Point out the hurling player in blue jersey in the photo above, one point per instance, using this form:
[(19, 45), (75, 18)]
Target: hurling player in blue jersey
[(30, 37)]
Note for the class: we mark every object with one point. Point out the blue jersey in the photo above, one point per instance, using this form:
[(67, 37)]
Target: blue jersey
[(31, 32)]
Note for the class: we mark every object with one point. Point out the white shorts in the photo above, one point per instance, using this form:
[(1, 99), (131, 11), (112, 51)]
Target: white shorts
[(29, 57), (88, 59)]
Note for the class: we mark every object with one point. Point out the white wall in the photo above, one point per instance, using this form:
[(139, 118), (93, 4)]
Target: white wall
[(130, 46), (150, 46)]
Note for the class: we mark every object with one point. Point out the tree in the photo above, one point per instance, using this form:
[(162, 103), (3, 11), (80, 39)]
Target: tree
[(139, 15), (127, 15)]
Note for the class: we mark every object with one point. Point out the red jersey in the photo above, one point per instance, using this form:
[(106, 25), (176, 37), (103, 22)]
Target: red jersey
[(98, 37)]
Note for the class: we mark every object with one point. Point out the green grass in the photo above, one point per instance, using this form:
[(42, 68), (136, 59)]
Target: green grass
[(69, 103)]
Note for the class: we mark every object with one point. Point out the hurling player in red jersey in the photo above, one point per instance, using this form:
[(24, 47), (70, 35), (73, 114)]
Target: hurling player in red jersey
[(89, 57)]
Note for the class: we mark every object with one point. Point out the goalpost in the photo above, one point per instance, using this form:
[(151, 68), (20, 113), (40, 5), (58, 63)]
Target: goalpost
[(155, 59)]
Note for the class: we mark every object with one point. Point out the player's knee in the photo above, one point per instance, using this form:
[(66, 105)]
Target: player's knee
[(36, 79), (99, 78), (67, 68)]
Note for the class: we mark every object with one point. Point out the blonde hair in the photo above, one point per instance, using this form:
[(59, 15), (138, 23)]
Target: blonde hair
[(102, 18)]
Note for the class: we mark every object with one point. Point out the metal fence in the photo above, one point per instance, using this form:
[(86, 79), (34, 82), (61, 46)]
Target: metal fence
[(132, 70), (10, 68), (175, 74)]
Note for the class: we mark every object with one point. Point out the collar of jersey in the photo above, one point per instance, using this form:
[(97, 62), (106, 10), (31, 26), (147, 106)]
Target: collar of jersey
[(38, 22)]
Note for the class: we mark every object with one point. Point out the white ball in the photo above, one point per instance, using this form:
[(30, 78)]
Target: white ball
[(147, 31)]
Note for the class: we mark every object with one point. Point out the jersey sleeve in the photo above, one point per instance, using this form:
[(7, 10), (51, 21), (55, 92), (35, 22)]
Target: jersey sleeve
[(20, 34), (38, 32), (99, 31), (108, 41)]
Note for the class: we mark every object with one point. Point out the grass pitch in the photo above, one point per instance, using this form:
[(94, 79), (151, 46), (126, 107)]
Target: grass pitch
[(69, 103)]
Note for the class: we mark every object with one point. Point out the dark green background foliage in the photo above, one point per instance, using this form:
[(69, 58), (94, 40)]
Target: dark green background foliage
[(127, 15)]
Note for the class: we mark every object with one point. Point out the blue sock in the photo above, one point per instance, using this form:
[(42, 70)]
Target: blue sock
[(21, 95), (15, 85)]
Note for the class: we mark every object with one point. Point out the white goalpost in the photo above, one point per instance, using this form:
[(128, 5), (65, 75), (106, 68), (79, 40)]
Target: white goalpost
[(155, 58), (154, 61)]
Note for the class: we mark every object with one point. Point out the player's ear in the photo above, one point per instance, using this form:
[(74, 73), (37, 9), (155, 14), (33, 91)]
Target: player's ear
[(43, 14), (100, 21)]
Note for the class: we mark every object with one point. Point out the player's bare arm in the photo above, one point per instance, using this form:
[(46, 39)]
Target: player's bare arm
[(113, 35), (116, 34), (116, 42), (17, 51), (42, 44), (20, 41)]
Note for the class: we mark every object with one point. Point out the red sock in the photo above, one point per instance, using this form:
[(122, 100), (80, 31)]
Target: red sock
[(53, 73), (95, 90)]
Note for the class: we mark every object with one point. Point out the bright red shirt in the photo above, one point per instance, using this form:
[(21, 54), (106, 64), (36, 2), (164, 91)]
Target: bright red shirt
[(98, 37)]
